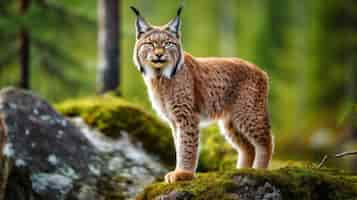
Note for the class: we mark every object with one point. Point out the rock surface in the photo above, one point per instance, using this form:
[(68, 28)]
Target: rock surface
[(45, 156), (292, 183), (110, 114)]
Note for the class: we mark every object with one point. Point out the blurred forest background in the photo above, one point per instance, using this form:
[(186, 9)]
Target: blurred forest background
[(308, 47)]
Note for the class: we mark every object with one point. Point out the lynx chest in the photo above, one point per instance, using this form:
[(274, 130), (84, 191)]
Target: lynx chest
[(158, 95)]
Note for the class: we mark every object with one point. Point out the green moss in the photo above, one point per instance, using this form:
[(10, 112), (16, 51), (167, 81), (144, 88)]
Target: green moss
[(111, 115), (205, 185), (293, 183)]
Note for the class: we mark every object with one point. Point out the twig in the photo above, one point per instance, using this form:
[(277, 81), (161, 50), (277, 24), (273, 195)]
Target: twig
[(324, 159), (339, 155)]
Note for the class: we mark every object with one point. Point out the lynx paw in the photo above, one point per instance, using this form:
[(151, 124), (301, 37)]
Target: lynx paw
[(179, 175)]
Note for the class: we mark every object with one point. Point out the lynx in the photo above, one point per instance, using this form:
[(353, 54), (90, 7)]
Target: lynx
[(187, 91)]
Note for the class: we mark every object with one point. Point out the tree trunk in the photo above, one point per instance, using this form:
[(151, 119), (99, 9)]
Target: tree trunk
[(108, 46), (24, 59), (24, 48)]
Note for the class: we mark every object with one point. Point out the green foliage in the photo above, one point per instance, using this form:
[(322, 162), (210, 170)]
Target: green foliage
[(348, 113), (52, 28)]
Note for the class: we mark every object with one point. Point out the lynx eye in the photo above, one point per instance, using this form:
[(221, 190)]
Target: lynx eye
[(148, 45), (169, 45)]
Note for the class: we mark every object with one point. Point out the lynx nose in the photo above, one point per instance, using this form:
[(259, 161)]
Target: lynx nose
[(159, 52)]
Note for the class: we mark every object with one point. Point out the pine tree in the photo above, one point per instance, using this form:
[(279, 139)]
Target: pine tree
[(35, 34)]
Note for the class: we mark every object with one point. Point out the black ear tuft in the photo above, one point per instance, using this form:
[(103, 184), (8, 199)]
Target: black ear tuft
[(180, 10), (141, 25), (175, 25), (137, 13)]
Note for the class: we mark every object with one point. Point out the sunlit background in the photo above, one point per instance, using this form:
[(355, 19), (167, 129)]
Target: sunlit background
[(308, 47)]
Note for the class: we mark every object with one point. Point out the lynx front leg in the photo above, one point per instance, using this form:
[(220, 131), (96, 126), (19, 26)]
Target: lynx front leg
[(187, 141), (174, 134)]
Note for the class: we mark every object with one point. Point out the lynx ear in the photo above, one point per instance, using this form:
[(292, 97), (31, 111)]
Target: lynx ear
[(141, 25), (174, 25)]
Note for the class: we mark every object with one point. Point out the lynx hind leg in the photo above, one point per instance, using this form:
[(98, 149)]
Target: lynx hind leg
[(264, 151), (256, 130), (239, 142)]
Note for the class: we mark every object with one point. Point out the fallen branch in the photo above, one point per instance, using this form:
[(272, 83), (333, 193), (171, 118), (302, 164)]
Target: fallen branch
[(348, 153), (339, 155)]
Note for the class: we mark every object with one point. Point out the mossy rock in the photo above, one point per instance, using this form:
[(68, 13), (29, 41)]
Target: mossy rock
[(293, 183), (112, 115)]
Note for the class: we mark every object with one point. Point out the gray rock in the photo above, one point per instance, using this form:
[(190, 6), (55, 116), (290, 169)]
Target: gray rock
[(249, 188), (174, 195), (45, 156)]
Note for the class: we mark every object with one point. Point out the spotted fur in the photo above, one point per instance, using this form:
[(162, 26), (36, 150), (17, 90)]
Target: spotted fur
[(186, 90)]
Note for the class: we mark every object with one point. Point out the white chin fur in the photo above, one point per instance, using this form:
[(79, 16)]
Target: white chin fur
[(150, 72), (168, 71)]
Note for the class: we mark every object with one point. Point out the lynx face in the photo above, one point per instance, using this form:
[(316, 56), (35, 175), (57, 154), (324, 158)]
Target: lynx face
[(158, 50)]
